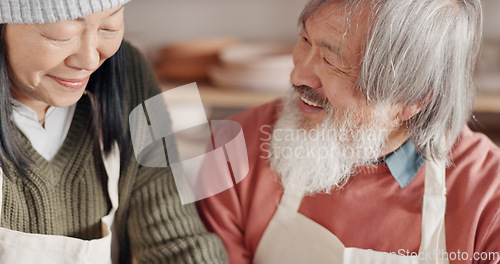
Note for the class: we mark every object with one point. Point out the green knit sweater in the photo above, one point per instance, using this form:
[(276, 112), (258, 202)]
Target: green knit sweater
[(68, 196)]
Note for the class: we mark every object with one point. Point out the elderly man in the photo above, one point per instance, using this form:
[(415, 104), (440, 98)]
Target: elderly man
[(369, 159)]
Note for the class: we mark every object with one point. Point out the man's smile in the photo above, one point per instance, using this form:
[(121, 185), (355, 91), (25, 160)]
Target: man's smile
[(309, 102)]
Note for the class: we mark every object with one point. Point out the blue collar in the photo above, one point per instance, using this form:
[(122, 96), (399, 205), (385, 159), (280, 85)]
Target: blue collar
[(404, 163)]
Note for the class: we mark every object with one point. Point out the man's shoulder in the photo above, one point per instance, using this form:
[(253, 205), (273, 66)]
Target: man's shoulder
[(473, 187), (475, 147), (475, 166)]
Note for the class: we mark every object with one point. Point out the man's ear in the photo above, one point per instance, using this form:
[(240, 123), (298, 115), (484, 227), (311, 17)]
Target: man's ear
[(410, 110)]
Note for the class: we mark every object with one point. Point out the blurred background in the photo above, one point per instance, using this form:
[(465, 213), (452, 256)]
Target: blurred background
[(238, 52)]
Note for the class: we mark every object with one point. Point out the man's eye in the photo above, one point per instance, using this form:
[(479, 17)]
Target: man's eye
[(306, 40), (327, 62), (62, 40)]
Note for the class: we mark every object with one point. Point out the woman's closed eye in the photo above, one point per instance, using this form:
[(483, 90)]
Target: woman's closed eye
[(60, 40)]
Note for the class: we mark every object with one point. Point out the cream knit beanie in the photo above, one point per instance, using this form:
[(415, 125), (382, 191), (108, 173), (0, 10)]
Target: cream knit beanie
[(46, 11)]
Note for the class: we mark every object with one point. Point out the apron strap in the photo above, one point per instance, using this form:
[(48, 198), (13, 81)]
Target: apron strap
[(1, 194), (434, 208), (291, 200), (435, 179), (112, 166)]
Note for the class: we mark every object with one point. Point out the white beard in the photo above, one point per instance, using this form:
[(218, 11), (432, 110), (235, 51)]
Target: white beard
[(323, 158)]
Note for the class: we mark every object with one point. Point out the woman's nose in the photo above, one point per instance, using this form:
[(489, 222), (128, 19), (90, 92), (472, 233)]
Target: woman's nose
[(87, 56)]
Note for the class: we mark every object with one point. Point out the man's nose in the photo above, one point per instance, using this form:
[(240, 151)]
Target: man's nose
[(305, 69)]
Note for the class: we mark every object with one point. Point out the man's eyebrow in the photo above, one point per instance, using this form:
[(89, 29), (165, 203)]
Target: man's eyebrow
[(332, 48), (304, 28), (112, 14)]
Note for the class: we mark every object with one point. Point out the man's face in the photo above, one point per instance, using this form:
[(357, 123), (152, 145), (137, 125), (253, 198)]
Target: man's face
[(327, 63), (342, 130)]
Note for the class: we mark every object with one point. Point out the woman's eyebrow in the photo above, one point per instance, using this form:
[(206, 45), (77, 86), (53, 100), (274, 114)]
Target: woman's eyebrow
[(118, 10)]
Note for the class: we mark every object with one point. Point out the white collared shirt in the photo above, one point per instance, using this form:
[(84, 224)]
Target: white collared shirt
[(45, 140)]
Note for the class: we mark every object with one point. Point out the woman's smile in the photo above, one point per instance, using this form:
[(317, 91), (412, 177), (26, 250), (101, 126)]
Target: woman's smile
[(73, 83)]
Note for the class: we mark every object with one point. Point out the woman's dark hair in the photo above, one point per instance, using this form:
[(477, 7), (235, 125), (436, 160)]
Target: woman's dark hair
[(106, 86)]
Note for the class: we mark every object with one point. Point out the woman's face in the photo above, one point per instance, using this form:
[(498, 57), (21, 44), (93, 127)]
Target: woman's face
[(50, 64)]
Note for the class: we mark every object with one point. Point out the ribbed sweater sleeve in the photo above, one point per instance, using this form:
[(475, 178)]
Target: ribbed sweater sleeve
[(160, 229)]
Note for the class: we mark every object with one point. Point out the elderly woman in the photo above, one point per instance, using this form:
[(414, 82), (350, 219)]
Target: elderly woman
[(67, 84)]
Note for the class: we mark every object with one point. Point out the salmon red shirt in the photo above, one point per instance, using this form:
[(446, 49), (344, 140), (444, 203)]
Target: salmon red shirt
[(372, 211)]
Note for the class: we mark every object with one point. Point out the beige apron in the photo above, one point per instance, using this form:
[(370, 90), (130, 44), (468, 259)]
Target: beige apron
[(292, 238), (24, 248)]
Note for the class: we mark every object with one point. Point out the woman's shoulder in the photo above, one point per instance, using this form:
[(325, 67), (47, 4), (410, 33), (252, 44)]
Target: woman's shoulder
[(135, 63), (140, 81), (132, 55)]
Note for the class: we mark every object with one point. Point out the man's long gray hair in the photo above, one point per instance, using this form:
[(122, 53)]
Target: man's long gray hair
[(420, 51)]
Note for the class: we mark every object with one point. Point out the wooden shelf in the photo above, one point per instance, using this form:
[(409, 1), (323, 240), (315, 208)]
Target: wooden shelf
[(218, 97), (487, 103)]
